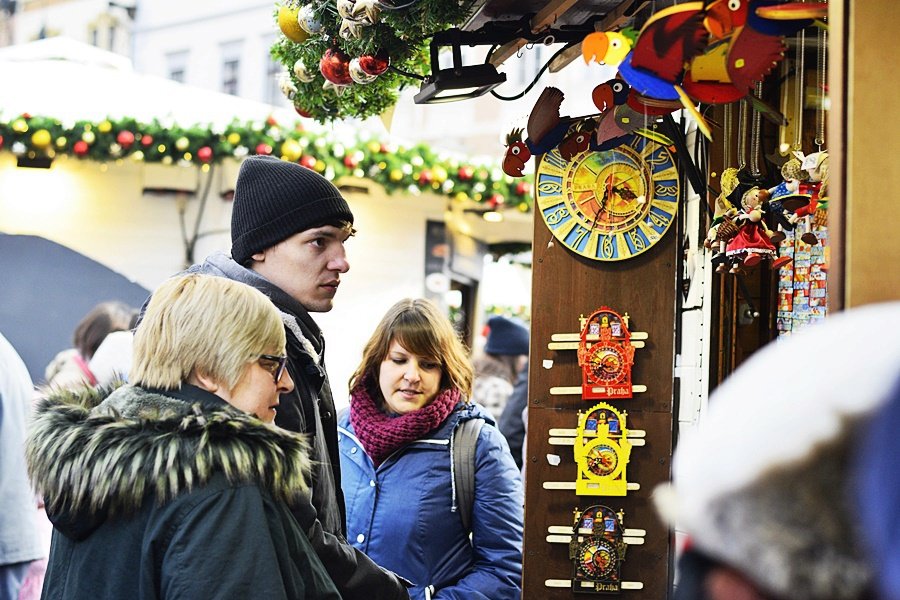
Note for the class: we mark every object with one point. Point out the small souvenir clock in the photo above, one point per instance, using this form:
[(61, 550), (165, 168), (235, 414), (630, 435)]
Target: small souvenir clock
[(609, 205), (605, 355), (597, 544)]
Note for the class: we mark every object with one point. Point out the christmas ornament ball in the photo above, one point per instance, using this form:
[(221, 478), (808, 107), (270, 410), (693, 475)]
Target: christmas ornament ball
[(290, 25), (358, 74), (80, 148), (335, 67), (41, 139), (374, 64), (205, 154)]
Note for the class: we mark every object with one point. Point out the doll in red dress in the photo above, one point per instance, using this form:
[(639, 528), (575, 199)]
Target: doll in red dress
[(752, 244)]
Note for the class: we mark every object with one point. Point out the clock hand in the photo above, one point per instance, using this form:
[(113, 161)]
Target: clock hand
[(602, 206)]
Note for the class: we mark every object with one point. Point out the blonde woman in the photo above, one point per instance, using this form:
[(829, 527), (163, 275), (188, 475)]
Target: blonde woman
[(177, 486)]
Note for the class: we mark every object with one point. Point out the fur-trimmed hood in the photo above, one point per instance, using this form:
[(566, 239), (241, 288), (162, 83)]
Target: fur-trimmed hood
[(91, 454)]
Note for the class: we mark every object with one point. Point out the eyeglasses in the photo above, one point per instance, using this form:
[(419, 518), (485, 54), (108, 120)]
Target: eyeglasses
[(274, 365)]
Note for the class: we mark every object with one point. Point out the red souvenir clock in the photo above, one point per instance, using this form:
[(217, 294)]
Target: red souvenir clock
[(605, 355)]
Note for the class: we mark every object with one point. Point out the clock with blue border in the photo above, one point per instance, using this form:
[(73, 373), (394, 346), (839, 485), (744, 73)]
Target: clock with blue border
[(610, 205)]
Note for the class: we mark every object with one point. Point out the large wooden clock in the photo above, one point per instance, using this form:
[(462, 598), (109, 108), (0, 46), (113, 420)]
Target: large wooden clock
[(609, 205)]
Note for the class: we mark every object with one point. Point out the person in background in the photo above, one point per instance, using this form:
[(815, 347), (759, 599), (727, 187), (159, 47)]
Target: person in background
[(178, 486), (70, 368), (111, 363), (20, 545), (505, 355), (765, 488), (408, 395), (289, 227), (512, 420)]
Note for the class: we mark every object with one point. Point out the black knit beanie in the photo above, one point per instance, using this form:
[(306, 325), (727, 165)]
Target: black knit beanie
[(274, 199)]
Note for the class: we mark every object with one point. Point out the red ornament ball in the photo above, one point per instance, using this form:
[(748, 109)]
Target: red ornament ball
[(125, 138), (263, 148), (523, 188), (147, 139), (374, 65), (495, 200), (1, 141), (425, 177), (302, 112), (80, 148), (350, 162), (335, 67), (307, 161), (465, 173), (205, 154)]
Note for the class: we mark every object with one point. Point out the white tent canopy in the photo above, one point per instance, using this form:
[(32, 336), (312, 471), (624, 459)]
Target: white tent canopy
[(69, 80)]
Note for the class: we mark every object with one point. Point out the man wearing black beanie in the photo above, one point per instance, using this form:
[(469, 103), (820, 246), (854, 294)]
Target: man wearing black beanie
[(288, 229)]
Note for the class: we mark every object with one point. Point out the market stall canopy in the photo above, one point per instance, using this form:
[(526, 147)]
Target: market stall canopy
[(69, 80), (47, 289)]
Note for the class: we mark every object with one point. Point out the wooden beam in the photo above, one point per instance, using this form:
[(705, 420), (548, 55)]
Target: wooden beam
[(611, 21), (542, 20)]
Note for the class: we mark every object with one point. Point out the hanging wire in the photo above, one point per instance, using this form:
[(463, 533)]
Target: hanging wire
[(742, 135), (755, 135), (728, 137), (799, 73), (821, 73), (406, 73), (536, 77)]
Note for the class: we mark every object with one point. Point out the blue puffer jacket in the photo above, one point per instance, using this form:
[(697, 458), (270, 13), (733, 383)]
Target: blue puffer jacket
[(400, 514)]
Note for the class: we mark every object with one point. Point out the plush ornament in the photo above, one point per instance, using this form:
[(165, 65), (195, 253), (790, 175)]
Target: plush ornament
[(335, 67), (786, 198), (302, 73), (358, 75), (752, 243), (125, 138), (41, 139), (182, 143), (205, 154), (290, 25), (307, 20), (723, 227), (375, 64), (80, 148)]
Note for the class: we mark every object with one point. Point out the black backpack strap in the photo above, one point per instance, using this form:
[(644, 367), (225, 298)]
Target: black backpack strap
[(465, 439)]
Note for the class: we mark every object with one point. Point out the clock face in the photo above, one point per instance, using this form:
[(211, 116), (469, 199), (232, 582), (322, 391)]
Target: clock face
[(606, 363), (596, 558), (609, 205), (602, 460)]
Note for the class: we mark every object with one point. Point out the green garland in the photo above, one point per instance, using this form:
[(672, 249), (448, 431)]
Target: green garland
[(400, 34), (398, 169)]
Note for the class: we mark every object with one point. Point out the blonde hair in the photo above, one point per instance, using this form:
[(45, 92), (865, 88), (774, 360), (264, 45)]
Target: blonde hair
[(422, 329), (206, 325)]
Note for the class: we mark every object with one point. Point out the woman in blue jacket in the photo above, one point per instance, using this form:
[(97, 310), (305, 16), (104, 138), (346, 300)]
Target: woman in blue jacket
[(407, 397)]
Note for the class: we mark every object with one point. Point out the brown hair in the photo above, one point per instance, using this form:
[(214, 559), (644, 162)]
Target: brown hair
[(102, 320), (422, 329)]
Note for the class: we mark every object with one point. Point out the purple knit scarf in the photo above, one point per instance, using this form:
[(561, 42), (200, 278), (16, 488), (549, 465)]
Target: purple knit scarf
[(382, 434)]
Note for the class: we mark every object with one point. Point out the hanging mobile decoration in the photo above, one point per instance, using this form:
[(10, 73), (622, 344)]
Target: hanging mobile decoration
[(597, 544)]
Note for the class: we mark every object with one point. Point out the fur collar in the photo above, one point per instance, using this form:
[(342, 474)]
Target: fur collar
[(90, 453)]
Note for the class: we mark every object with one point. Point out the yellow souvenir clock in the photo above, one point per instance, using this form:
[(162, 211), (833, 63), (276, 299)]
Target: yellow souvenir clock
[(602, 451), (609, 205)]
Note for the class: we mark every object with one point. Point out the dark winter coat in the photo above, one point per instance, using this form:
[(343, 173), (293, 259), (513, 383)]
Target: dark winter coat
[(402, 513), (170, 495), (309, 409)]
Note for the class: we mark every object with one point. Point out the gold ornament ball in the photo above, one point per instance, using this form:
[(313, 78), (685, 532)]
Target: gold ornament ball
[(105, 127), (234, 138), (461, 197), (319, 166), (182, 144), (88, 137), (61, 142), (41, 139), (287, 22), (396, 175), (291, 150), (373, 147), (439, 174), (20, 126)]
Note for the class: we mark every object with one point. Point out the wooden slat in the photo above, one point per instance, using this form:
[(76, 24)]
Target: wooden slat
[(611, 21), (542, 20)]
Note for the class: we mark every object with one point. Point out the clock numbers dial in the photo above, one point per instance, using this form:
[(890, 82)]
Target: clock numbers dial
[(597, 558), (609, 205), (602, 460)]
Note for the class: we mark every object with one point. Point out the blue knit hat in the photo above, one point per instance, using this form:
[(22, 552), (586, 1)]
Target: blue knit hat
[(506, 336)]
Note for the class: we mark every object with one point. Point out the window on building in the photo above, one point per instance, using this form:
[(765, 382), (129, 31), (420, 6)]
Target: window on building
[(231, 67), (111, 40), (176, 65), (274, 71)]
